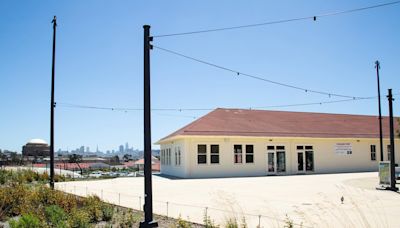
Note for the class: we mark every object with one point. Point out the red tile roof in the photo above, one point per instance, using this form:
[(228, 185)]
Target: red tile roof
[(261, 123)]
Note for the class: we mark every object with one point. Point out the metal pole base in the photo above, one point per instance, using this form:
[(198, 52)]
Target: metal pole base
[(150, 224)]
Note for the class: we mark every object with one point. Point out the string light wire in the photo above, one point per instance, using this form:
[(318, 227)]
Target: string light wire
[(240, 73), (313, 17), (71, 105)]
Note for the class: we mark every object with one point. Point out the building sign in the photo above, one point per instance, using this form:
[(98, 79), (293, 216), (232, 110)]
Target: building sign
[(384, 173), (343, 149)]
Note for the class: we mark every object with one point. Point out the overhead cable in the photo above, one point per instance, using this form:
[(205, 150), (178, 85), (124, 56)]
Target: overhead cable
[(240, 73), (70, 105), (313, 17)]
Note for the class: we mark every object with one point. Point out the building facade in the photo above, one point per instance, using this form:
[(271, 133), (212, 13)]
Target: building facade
[(36, 148), (234, 142)]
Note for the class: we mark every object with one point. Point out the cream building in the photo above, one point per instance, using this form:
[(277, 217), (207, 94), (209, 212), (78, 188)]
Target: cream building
[(236, 142)]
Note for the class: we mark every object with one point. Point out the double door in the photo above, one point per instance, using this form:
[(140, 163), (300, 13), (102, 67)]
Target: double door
[(276, 160), (305, 161)]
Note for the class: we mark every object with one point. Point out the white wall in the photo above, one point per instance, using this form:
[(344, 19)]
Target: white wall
[(325, 158), (174, 169)]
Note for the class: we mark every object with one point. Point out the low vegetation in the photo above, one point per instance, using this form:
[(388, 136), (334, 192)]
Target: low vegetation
[(26, 201)]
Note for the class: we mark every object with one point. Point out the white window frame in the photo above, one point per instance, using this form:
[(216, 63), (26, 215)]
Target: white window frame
[(236, 153), (373, 152)]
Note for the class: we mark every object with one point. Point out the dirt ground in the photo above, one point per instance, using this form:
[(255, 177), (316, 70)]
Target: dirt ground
[(270, 201)]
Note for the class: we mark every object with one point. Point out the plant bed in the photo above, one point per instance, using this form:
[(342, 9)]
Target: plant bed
[(29, 203)]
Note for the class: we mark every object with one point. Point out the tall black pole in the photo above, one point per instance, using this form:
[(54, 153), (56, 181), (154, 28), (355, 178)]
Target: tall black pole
[(148, 192), (377, 66), (392, 152), (52, 104)]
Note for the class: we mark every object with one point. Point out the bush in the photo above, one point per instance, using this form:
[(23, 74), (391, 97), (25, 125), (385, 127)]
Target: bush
[(55, 216), (231, 223), (108, 212), (182, 223), (208, 223), (43, 195), (288, 222), (129, 219), (26, 221), (13, 200), (79, 219), (93, 206)]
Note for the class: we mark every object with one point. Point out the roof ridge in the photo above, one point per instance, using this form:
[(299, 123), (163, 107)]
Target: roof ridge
[(323, 113)]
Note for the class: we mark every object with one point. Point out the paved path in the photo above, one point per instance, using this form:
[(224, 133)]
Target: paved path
[(311, 200)]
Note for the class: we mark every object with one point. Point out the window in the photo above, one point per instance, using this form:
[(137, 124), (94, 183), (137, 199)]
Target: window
[(214, 154), (176, 157), (201, 154), (237, 151), (179, 156), (249, 154), (389, 148), (270, 147), (169, 156), (300, 147), (162, 157), (373, 153)]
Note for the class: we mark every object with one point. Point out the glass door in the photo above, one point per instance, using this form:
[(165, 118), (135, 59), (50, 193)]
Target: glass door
[(271, 162), (300, 161), (309, 161), (280, 160)]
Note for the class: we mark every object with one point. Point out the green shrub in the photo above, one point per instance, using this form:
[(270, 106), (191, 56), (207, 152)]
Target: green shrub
[(108, 212), (208, 223), (79, 219), (231, 223), (182, 223), (288, 222), (13, 200), (4, 176), (93, 206), (129, 219), (55, 216), (46, 196), (26, 221)]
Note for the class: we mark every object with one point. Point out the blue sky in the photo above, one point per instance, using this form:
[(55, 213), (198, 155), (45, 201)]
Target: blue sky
[(99, 62)]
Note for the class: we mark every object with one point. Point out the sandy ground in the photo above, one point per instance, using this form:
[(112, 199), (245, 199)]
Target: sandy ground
[(308, 200)]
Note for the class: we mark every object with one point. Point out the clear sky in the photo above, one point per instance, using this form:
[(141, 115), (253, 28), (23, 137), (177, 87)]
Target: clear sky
[(99, 62)]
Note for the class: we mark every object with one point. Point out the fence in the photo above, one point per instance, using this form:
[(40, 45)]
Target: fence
[(193, 213)]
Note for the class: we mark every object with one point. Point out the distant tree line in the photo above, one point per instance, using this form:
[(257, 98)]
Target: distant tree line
[(10, 158)]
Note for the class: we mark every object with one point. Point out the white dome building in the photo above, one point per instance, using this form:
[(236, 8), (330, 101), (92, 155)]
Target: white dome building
[(37, 141), (36, 148)]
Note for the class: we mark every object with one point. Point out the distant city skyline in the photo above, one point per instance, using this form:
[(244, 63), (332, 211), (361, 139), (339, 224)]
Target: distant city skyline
[(99, 62), (85, 149)]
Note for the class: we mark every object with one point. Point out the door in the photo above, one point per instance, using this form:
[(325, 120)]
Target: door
[(280, 160), (300, 162), (271, 162), (309, 161)]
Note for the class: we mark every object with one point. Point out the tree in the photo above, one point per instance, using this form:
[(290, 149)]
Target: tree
[(114, 160), (15, 159), (127, 157), (76, 158)]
